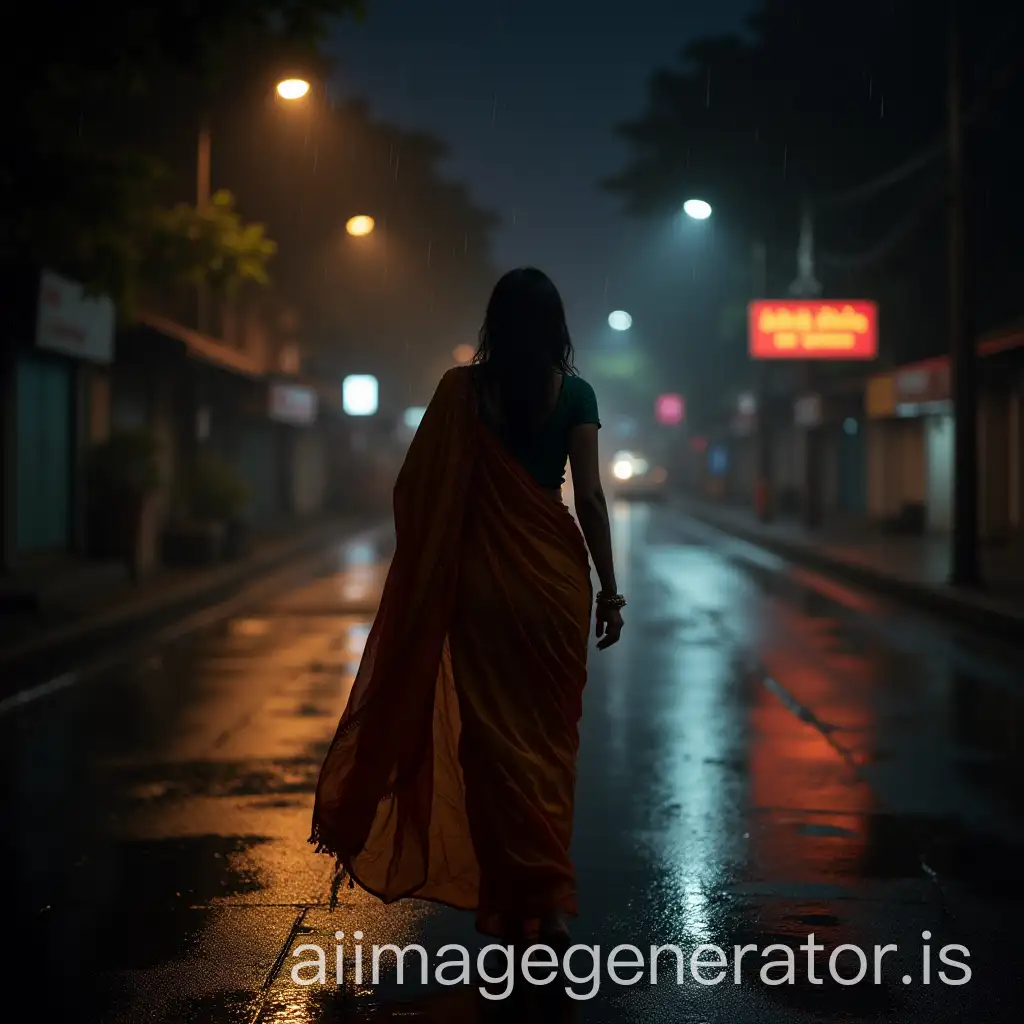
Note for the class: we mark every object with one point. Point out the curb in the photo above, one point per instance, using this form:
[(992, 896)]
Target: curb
[(980, 613), (184, 596)]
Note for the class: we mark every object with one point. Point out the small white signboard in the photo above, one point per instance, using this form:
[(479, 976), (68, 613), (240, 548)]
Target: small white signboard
[(71, 323)]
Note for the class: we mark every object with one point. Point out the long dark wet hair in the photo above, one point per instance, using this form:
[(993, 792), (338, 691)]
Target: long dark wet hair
[(524, 337)]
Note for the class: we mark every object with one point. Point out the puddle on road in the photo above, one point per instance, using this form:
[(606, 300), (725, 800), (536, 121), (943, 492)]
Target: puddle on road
[(220, 779), (144, 903), (795, 594), (859, 851), (459, 1006), (249, 627), (835, 831)]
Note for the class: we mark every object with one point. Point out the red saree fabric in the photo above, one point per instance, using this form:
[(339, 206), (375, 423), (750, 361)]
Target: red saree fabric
[(452, 773)]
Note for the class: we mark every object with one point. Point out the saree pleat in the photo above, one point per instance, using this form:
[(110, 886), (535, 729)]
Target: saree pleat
[(452, 773)]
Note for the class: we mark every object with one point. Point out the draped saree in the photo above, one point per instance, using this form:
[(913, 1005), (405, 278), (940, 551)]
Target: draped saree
[(452, 773)]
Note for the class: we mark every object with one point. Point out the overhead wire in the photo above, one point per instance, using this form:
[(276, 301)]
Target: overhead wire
[(915, 164), (921, 209), (924, 157)]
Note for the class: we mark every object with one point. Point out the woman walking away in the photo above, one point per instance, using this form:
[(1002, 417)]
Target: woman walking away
[(452, 774)]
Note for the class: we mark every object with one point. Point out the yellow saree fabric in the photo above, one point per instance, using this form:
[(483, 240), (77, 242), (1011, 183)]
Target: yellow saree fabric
[(452, 773)]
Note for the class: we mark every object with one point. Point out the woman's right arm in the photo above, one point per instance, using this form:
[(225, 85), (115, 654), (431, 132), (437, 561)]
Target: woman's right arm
[(591, 505)]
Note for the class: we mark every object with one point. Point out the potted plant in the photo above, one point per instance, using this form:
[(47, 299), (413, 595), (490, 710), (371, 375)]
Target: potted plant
[(124, 477), (212, 502)]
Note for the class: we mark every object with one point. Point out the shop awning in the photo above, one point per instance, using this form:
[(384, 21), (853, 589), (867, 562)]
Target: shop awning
[(925, 386), (206, 349)]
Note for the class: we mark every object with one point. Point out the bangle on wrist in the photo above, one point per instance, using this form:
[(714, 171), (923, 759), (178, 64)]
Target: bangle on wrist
[(610, 600)]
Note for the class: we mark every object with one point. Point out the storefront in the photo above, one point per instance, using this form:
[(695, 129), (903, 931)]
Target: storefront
[(905, 473), (832, 447), (280, 456), (48, 412)]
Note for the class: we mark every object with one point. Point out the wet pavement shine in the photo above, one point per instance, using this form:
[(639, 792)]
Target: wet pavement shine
[(767, 755)]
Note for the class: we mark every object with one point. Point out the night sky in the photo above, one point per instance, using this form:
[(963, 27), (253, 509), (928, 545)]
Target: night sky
[(526, 94)]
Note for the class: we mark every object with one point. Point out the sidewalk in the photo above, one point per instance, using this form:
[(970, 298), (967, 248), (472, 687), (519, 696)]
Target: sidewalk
[(913, 569), (84, 613)]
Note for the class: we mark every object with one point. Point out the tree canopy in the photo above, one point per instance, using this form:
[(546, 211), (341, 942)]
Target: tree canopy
[(812, 102), (79, 189), (104, 186)]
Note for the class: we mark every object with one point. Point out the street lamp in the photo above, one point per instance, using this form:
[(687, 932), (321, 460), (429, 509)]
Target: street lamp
[(292, 88), (620, 320), (700, 209), (697, 209), (360, 225), (463, 354), (288, 89)]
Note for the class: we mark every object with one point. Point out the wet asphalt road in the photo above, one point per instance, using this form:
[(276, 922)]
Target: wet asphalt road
[(765, 755)]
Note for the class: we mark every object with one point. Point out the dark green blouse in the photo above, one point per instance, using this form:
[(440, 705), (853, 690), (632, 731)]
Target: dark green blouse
[(545, 455)]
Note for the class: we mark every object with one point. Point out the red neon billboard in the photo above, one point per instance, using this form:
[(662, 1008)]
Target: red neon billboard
[(798, 329)]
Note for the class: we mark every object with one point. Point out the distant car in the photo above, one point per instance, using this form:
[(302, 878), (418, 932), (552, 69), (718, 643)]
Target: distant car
[(635, 476)]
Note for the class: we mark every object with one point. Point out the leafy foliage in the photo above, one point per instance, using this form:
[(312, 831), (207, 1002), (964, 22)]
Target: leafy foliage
[(194, 246), (84, 191)]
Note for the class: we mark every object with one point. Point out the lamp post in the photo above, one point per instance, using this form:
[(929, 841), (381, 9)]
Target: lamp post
[(289, 89), (700, 209), (805, 286), (763, 497)]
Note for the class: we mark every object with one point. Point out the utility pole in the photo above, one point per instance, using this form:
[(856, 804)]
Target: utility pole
[(964, 563), (203, 147), (807, 286), (763, 497)]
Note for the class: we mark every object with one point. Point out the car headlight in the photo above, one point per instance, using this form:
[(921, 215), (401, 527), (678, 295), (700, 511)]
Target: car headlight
[(622, 469)]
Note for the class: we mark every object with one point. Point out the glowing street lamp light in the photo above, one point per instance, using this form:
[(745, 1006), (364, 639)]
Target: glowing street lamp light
[(620, 320), (360, 225), (292, 88), (463, 354), (697, 209), (359, 394)]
